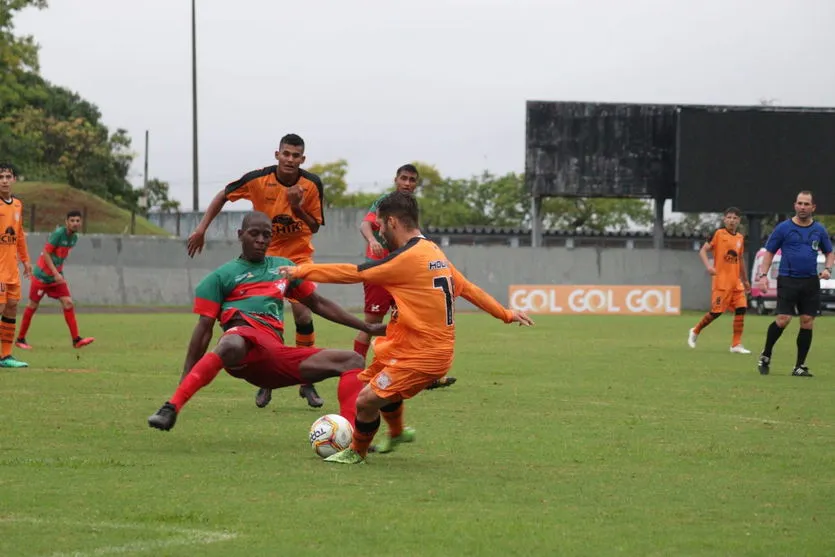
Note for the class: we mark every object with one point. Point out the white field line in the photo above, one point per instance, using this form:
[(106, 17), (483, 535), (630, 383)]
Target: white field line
[(183, 536)]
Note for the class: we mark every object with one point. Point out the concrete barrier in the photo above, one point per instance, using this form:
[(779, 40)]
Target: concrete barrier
[(148, 271)]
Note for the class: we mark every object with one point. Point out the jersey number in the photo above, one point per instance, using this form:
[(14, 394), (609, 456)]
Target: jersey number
[(448, 287)]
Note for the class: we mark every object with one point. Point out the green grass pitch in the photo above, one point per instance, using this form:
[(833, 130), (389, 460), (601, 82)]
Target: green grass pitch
[(582, 436)]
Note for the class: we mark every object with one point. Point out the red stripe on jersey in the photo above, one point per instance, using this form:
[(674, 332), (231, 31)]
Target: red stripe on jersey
[(250, 289), (207, 308), (303, 290), (267, 319), (49, 248), (372, 218), (61, 252)]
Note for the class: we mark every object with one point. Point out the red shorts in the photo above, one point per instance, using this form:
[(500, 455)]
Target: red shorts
[(269, 363), (38, 289), (378, 301)]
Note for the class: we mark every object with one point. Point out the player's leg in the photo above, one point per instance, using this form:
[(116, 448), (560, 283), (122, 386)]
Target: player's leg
[(345, 364), (8, 322), (69, 316), (306, 338), (740, 306), (787, 298), (37, 290), (230, 351), (808, 308), (718, 303), (365, 427)]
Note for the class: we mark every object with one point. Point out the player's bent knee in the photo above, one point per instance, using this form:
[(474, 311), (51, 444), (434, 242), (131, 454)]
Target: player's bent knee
[(67, 304), (783, 320), (231, 349)]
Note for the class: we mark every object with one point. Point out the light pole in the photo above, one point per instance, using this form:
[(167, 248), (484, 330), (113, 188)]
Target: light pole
[(195, 177)]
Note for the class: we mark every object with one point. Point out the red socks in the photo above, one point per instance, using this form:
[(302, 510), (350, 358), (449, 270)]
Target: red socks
[(200, 375), (347, 392)]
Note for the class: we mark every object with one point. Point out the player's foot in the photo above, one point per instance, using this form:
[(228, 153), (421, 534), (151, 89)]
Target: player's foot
[(444, 381), (263, 397), (21, 343), (802, 371), (388, 444), (763, 364), (348, 456), (80, 342), (10, 361), (165, 417), (691, 338), (313, 398), (739, 349)]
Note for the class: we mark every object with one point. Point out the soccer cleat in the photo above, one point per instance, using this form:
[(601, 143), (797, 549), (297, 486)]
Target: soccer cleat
[(739, 349), (21, 343), (348, 456), (801, 371), (10, 361), (263, 397), (691, 338), (444, 381), (164, 418), (388, 444), (80, 342), (763, 364), (313, 398)]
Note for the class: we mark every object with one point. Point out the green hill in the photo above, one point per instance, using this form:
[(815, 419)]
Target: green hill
[(51, 202)]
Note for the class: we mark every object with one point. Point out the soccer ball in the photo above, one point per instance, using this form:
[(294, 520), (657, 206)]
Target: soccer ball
[(330, 434)]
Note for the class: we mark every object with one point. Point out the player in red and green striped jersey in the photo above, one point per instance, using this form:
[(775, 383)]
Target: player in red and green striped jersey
[(247, 295), (48, 280)]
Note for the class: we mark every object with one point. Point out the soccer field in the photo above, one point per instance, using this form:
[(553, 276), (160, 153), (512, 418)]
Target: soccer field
[(582, 436)]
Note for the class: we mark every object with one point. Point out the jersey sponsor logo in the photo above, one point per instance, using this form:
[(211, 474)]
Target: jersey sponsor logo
[(436, 265), (9, 237), (731, 257), (596, 299), (281, 286), (286, 224), (375, 307), (243, 276), (815, 245)]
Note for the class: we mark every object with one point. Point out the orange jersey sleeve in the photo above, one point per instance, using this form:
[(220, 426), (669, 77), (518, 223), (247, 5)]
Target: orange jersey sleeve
[(249, 187), (478, 297), (328, 273), (22, 248)]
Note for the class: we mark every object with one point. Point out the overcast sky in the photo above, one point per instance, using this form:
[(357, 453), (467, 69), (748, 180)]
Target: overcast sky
[(383, 82)]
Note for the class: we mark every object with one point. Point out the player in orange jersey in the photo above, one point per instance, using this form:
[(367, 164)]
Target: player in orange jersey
[(293, 198), (730, 279), (12, 248), (420, 337), (377, 300)]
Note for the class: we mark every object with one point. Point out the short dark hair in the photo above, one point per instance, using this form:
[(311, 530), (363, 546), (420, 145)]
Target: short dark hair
[(74, 213), (253, 217), (408, 168), (8, 166), (401, 205), (733, 211), (291, 139), (804, 192)]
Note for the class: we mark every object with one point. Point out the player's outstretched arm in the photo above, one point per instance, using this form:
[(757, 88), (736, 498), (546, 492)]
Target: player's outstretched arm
[(328, 273), (332, 311), (198, 237), (486, 302), (199, 343)]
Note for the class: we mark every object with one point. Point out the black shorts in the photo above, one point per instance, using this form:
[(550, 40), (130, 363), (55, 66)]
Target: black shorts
[(798, 296)]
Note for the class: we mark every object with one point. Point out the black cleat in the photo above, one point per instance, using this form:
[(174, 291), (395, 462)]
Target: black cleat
[(763, 364), (445, 381), (165, 417), (801, 371), (313, 398), (263, 397)]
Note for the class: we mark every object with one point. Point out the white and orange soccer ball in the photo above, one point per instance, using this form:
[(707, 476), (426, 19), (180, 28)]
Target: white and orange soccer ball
[(330, 434)]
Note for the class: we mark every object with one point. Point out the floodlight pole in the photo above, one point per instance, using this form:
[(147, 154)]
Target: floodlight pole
[(195, 188), (658, 225)]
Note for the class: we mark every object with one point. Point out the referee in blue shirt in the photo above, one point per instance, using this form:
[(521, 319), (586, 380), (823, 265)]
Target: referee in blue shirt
[(798, 281)]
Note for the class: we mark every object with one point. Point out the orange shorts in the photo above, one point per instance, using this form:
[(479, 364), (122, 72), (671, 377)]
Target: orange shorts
[(727, 300), (9, 291), (399, 381)]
